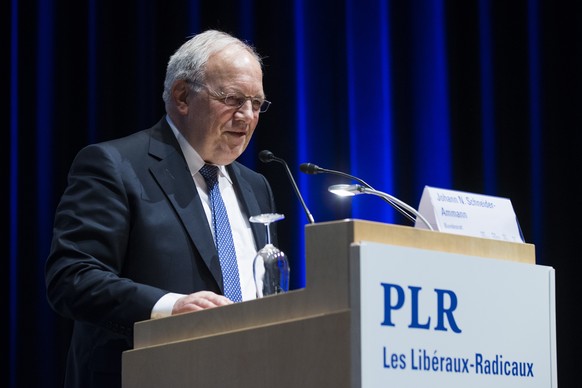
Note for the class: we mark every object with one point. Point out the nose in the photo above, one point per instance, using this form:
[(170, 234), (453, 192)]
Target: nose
[(247, 109)]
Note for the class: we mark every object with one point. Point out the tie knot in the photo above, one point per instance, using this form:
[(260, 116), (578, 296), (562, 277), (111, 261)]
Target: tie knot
[(210, 174)]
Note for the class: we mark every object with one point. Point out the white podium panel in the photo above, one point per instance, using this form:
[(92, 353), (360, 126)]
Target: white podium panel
[(422, 318)]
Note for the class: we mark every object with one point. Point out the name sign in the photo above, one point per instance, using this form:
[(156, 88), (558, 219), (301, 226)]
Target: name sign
[(433, 319), (469, 214)]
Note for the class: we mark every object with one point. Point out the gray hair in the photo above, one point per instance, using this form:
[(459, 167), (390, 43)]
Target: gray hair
[(189, 61)]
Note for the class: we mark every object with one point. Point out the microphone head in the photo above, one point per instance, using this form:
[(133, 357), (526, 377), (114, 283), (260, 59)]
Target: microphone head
[(309, 168), (266, 156)]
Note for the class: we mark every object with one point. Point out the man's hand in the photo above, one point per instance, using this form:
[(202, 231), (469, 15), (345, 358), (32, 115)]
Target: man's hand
[(199, 301)]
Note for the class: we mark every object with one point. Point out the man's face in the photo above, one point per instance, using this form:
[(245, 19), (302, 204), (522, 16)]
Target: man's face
[(220, 133)]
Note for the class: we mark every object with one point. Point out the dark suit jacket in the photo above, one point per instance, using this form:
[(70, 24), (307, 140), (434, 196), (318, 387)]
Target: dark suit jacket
[(130, 228)]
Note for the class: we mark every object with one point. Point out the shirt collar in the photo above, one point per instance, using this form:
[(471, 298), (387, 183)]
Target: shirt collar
[(193, 159)]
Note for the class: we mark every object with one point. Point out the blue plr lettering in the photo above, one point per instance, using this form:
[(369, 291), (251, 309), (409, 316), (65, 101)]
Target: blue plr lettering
[(446, 304)]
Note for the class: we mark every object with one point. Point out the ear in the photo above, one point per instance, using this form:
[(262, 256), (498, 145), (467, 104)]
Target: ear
[(180, 93)]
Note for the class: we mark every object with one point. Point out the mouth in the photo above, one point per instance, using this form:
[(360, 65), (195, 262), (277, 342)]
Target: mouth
[(236, 138), (237, 133)]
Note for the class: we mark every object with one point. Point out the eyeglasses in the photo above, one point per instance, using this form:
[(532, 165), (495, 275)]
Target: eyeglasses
[(237, 100)]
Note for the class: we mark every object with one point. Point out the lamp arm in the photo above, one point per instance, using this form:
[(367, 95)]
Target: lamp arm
[(399, 205)]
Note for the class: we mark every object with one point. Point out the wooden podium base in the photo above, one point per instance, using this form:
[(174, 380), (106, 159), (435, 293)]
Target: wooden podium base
[(299, 339)]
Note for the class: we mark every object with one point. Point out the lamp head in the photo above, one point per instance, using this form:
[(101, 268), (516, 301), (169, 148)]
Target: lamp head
[(346, 190)]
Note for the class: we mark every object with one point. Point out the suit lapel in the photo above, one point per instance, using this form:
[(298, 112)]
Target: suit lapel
[(175, 180)]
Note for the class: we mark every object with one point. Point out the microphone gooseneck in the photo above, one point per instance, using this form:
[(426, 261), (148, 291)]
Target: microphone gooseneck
[(267, 156), (310, 169), (403, 208)]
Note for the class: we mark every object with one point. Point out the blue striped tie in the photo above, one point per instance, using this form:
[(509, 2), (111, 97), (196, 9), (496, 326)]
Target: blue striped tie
[(222, 235)]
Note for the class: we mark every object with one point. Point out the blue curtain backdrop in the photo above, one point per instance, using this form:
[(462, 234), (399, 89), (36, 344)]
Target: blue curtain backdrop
[(481, 96)]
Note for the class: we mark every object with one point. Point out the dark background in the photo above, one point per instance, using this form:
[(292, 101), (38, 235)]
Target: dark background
[(478, 96)]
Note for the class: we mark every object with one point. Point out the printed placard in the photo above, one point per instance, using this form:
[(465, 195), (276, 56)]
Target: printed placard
[(469, 214)]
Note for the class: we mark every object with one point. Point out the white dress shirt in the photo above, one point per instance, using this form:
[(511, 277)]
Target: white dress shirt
[(244, 242)]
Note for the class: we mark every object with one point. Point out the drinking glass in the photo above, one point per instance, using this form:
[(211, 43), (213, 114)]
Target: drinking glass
[(270, 267)]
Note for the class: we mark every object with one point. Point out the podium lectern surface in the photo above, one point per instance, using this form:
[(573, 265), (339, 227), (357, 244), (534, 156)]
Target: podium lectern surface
[(301, 338)]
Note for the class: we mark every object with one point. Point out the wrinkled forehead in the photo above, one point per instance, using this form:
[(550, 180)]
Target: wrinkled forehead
[(234, 64)]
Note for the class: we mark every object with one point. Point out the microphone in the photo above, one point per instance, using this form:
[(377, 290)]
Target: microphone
[(403, 208), (267, 156), (311, 169)]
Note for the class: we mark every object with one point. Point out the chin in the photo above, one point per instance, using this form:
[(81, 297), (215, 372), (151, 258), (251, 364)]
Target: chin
[(227, 154), (227, 158)]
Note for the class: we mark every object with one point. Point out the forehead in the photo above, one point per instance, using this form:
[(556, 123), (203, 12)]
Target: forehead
[(234, 64)]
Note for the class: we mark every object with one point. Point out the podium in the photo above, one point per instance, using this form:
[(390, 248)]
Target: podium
[(383, 305)]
